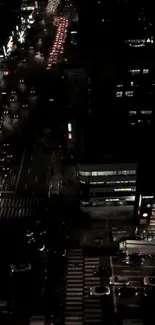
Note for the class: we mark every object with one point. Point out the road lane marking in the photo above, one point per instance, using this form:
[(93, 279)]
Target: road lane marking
[(29, 171), (7, 192), (133, 305), (25, 185), (36, 178), (20, 168), (13, 177), (113, 287), (31, 158), (128, 266), (133, 271), (132, 286), (141, 276)]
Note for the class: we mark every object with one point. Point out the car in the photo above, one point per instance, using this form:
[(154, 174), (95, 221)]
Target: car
[(127, 291), (149, 291), (100, 291), (18, 268), (103, 270), (118, 280), (134, 259), (3, 307), (6, 112), (149, 281)]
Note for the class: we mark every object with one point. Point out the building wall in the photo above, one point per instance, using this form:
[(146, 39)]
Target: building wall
[(108, 190), (110, 212)]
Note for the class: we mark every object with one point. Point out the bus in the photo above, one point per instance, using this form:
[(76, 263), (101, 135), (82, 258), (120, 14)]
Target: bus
[(137, 247)]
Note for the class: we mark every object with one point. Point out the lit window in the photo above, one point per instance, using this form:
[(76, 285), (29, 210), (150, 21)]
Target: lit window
[(96, 183), (145, 71), (119, 93), (126, 172), (134, 71), (81, 173), (146, 112), (124, 189), (104, 173), (94, 173), (108, 173), (119, 86), (132, 112), (129, 93)]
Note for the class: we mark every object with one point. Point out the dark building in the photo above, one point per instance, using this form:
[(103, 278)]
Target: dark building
[(118, 39), (9, 12), (119, 42)]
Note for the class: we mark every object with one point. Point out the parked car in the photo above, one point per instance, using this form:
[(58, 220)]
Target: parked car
[(149, 281), (118, 280), (134, 259), (18, 268), (103, 270), (99, 291), (127, 292)]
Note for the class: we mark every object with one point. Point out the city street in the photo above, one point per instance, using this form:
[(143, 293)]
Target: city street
[(34, 171), (82, 308)]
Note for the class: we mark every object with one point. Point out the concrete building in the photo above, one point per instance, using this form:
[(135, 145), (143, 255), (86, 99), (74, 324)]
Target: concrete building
[(108, 190)]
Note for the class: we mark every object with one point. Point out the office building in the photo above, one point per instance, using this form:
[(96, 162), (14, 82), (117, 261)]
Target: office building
[(145, 202), (120, 62), (108, 190)]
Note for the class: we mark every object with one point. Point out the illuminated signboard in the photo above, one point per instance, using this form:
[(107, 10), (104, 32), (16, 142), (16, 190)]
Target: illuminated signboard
[(69, 127)]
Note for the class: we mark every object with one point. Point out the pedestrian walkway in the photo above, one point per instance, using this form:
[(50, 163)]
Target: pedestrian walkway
[(21, 207), (92, 306), (74, 288)]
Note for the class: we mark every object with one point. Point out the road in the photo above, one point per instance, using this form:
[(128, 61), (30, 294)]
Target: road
[(81, 308), (130, 306), (34, 171)]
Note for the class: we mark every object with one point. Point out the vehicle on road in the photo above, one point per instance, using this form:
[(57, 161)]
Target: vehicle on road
[(118, 280), (128, 291), (149, 292), (149, 281), (134, 259), (102, 270), (20, 268), (99, 291)]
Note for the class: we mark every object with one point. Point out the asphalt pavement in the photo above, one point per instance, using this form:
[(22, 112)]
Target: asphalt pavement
[(33, 174), (81, 308), (131, 306)]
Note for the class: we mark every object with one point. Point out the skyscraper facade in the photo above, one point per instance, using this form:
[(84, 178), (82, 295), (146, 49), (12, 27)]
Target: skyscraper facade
[(118, 38)]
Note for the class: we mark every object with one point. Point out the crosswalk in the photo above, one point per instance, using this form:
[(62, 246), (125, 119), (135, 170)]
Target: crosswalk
[(92, 306), (74, 288), (21, 207)]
